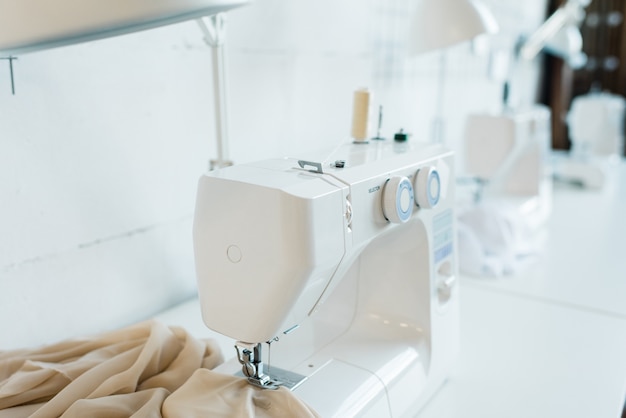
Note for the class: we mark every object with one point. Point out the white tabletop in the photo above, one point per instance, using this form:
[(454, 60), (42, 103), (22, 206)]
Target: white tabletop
[(548, 342), (584, 262), (523, 357)]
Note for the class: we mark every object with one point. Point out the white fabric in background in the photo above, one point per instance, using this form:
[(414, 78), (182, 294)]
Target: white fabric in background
[(494, 240)]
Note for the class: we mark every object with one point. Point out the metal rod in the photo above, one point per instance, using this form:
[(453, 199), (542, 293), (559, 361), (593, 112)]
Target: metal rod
[(10, 59), (214, 29), (437, 135), (11, 71)]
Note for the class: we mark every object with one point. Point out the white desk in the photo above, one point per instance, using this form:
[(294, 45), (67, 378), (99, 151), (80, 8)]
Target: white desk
[(523, 357), (584, 262), (548, 343)]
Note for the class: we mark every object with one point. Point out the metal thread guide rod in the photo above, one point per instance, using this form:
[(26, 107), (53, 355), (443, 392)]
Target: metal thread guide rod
[(380, 124), (437, 134), (214, 30), (11, 59)]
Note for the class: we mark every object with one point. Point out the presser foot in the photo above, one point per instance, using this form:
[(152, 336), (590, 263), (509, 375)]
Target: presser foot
[(263, 382), (249, 355)]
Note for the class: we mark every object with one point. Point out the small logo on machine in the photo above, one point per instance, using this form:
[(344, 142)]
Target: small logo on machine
[(374, 189)]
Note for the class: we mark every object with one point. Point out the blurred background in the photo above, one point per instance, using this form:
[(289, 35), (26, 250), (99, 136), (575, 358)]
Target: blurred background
[(102, 143)]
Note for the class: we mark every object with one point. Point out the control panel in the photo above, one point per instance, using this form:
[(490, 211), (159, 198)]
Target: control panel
[(400, 195)]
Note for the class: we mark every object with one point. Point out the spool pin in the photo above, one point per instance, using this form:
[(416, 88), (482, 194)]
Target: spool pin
[(360, 115)]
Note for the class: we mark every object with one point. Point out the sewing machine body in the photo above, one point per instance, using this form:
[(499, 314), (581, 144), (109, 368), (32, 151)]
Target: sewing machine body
[(509, 154), (364, 308)]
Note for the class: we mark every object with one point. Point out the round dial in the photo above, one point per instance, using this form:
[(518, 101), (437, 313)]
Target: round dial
[(427, 187), (398, 199)]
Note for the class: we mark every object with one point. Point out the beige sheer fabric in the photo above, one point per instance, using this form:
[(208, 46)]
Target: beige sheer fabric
[(146, 370)]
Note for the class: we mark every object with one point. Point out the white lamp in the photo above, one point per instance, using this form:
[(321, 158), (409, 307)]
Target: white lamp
[(567, 44), (32, 25), (439, 24), (559, 35)]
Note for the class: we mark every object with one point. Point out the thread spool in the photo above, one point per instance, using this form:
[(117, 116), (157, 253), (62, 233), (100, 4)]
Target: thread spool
[(360, 115)]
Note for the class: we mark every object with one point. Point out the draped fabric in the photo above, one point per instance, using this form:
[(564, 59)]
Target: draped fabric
[(145, 370)]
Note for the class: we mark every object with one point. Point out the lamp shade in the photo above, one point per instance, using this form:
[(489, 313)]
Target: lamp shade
[(31, 25), (439, 24), (559, 35), (567, 44)]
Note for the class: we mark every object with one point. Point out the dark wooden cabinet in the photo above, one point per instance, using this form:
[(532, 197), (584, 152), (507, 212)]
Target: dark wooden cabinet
[(604, 42)]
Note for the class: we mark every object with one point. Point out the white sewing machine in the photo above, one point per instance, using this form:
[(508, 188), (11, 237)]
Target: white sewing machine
[(596, 130), (347, 268), (509, 153)]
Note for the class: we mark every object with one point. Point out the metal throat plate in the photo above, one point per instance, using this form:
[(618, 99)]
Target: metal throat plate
[(281, 377)]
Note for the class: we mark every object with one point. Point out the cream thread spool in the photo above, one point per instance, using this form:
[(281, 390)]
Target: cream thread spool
[(360, 115)]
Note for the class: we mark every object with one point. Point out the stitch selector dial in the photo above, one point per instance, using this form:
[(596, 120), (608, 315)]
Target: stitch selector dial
[(427, 185), (398, 199)]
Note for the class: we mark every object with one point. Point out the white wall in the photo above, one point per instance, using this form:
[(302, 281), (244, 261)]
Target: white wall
[(101, 147)]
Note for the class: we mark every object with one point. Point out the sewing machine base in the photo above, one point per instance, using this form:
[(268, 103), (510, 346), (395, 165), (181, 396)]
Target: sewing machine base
[(337, 387)]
